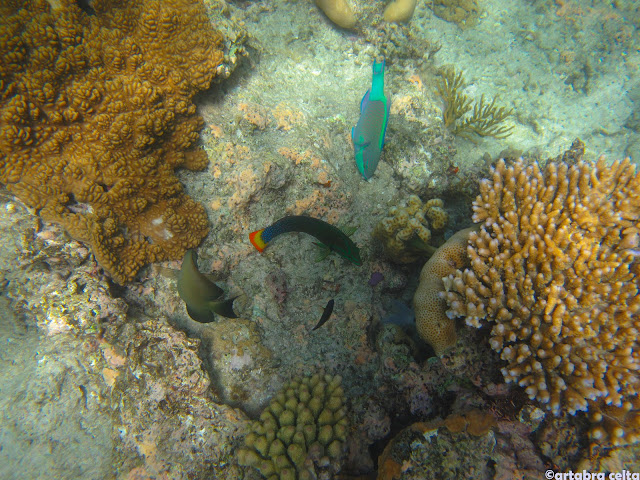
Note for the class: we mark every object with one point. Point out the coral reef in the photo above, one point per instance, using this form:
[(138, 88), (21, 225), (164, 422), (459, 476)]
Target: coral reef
[(405, 233), (432, 322), (472, 445), (438, 450), (124, 394), (554, 270), (97, 114), (486, 119), (302, 431)]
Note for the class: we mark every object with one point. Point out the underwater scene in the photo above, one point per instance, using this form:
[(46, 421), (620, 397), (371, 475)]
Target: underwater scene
[(319, 239)]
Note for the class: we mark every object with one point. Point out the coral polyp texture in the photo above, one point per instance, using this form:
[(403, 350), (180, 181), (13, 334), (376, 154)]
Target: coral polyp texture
[(301, 434), (96, 114), (555, 270), (405, 232), (432, 322)]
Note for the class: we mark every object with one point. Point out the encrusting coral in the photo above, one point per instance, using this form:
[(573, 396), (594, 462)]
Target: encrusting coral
[(554, 269), (97, 114), (405, 232), (301, 433), (432, 322)]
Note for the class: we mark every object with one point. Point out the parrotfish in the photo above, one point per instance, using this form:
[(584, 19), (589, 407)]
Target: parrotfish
[(330, 236), (368, 134), (201, 295), (325, 315)]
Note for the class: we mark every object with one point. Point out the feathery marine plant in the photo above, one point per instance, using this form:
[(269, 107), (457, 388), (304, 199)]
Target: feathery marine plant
[(486, 118)]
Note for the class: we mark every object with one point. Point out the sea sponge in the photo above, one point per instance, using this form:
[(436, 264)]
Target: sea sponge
[(554, 269), (97, 113), (405, 232), (432, 323), (301, 434), (338, 11), (399, 11)]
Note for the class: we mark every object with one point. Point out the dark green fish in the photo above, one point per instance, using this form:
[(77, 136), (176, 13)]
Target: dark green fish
[(325, 315), (331, 236), (201, 295)]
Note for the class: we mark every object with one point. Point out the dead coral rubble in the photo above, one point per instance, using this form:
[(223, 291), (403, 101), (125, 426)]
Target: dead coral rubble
[(96, 114), (554, 269)]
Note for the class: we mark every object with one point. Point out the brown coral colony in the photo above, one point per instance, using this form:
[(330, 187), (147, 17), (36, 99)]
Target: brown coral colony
[(96, 114), (554, 269)]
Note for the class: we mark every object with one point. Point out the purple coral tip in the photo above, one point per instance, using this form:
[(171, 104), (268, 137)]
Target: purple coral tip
[(376, 278)]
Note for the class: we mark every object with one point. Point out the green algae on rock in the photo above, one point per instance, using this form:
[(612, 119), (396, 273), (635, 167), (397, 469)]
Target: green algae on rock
[(302, 431)]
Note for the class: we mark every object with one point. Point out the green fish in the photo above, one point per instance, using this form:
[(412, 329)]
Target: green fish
[(368, 134), (201, 295), (332, 237)]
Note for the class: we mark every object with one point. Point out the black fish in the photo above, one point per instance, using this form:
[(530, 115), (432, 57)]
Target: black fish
[(325, 315)]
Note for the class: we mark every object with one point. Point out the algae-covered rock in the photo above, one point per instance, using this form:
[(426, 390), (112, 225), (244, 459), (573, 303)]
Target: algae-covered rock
[(301, 434)]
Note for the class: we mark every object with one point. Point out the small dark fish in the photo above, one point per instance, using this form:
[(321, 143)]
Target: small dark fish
[(325, 315), (202, 296)]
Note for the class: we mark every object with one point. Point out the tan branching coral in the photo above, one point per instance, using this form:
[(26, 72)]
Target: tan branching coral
[(405, 232), (96, 114), (555, 269)]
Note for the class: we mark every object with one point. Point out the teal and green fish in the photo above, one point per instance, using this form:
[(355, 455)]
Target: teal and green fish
[(368, 134), (332, 237), (202, 297)]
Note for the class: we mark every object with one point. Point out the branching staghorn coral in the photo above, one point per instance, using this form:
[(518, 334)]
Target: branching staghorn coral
[(555, 270), (486, 119)]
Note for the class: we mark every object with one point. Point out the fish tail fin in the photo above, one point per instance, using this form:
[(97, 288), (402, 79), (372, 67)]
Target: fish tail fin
[(256, 239), (224, 308)]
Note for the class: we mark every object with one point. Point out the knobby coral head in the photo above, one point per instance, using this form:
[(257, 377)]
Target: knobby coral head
[(553, 269)]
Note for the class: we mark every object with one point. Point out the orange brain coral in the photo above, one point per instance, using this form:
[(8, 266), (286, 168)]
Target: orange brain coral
[(555, 268), (96, 113)]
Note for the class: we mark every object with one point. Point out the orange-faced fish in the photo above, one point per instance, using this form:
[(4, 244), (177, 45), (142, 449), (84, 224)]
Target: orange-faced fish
[(332, 237), (202, 297)]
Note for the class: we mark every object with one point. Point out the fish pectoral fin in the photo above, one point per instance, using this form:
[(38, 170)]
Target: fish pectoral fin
[(322, 254), (224, 308), (199, 315), (361, 145), (348, 230)]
